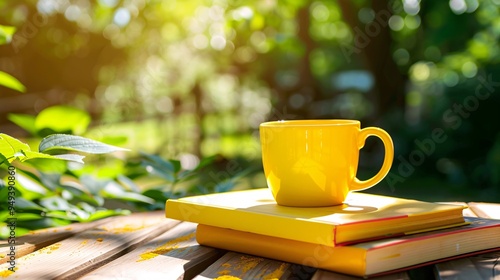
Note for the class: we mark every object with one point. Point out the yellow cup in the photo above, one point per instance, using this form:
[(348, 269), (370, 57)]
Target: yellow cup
[(314, 162)]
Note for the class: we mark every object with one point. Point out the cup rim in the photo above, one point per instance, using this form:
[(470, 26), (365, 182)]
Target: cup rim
[(316, 122)]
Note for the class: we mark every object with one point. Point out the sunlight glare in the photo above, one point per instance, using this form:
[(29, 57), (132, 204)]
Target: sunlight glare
[(218, 42), (200, 41), (122, 17), (47, 7), (396, 23), (458, 6), (108, 3), (420, 71), (469, 69), (319, 11), (411, 7), (244, 12), (72, 13), (189, 161)]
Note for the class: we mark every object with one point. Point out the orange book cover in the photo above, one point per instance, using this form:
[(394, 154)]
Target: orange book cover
[(361, 217), (367, 258)]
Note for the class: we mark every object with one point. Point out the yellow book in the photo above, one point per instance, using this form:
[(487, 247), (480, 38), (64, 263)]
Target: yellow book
[(362, 216), (368, 258)]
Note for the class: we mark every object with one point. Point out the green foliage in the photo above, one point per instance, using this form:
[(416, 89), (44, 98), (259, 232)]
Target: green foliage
[(6, 33), (43, 198), (75, 143), (68, 118), (12, 149), (55, 119), (177, 182), (9, 81), (54, 187)]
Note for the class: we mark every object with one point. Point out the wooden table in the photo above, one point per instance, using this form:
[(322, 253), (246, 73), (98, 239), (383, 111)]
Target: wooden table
[(149, 246)]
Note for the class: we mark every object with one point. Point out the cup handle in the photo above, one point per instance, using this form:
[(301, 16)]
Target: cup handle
[(388, 157)]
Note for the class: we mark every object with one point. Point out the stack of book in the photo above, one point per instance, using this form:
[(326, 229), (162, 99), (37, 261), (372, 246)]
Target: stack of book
[(367, 235)]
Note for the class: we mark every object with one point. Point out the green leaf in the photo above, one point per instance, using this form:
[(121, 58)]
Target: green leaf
[(128, 183), (28, 216), (92, 184), (187, 175), (86, 207), (44, 222), (114, 139), (80, 195), (9, 81), (26, 122), (64, 215), (36, 155), (163, 168), (5, 232), (204, 162), (75, 143), (3, 159), (100, 214), (4, 215), (71, 157), (11, 148), (55, 203), (81, 214), (29, 187), (134, 197), (157, 195), (63, 119), (6, 33), (225, 186), (177, 165), (162, 173), (24, 204), (160, 163), (50, 180), (49, 165), (116, 191)]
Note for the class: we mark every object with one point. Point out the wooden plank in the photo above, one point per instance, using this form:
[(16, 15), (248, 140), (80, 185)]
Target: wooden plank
[(38, 239), (87, 250), (328, 275), (172, 255), (486, 210), (241, 266)]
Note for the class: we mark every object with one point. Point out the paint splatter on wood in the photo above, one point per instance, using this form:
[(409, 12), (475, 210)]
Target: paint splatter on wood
[(125, 229), (277, 273), (227, 277), (49, 249), (165, 248), (6, 273)]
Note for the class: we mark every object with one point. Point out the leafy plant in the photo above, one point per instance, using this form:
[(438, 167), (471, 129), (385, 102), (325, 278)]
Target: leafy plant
[(177, 182), (55, 119), (50, 187), (54, 186), (52, 195)]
